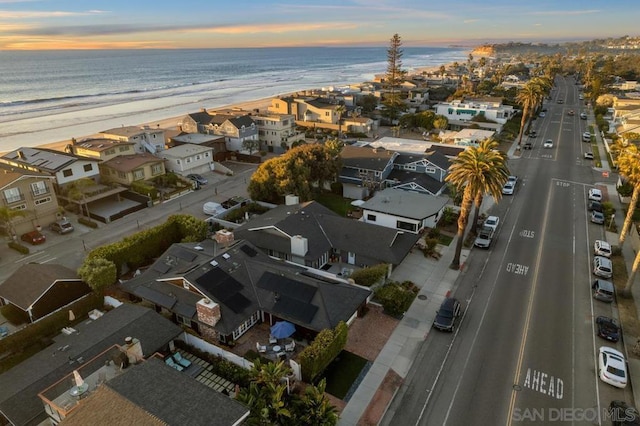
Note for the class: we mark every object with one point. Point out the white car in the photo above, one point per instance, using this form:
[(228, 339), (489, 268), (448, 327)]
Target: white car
[(548, 144), (595, 194), (512, 178), (612, 367), (542, 114), (492, 222), (213, 209), (602, 248), (509, 188), (586, 137), (588, 155)]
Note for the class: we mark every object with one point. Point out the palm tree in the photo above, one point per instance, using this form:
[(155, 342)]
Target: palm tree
[(340, 109), (483, 169), (315, 408), (7, 216), (530, 97), (632, 275), (629, 165)]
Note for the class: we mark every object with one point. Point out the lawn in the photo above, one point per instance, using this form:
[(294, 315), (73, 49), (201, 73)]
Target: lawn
[(342, 372), (335, 203)]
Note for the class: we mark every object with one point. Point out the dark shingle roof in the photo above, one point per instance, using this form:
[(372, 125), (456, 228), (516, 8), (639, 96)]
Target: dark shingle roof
[(404, 177), (366, 158), (29, 282), (20, 385), (201, 117)]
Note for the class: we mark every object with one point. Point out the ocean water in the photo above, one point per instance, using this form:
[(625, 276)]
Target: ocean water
[(50, 96)]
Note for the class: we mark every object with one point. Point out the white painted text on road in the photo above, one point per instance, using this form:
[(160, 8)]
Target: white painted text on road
[(527, 234), (544, 383), (562, 184), (517, 268)]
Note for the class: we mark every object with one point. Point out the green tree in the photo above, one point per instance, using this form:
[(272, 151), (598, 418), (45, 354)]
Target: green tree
[(481, 168), (77, 190), (7, 216), (530, 97), (629, 166), (313, 408), (440, 122), (340, 110), (98, 273), (393, 79), (251, 145), (265, 396)]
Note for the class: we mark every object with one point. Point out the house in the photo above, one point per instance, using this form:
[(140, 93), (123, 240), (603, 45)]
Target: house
[(235, 128), (414, 146), (312, 235), (66, 168), (216, 143), (364, 169), (312, 110), (31, 193), (148, 393), (101, 148), (221, 295), (19, 386), (145, 139), (461, 113), (40, 289), (277, 132), (403, 210), (188, 158), (424, 173), (126, 169), (471, 137)]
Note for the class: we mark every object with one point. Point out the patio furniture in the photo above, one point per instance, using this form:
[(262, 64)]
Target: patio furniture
[(261, 348), (169, 361), (282, 355), (277, 348), (272, 340), (181, 360), (290, 347)]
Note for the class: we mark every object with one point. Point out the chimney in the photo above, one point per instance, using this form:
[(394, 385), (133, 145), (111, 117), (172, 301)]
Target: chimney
[(299, 245), (208, 313), (224, 237), (291, 200), (133, 349)]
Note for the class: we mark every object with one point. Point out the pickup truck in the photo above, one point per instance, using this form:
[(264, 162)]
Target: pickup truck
[(484, 238)]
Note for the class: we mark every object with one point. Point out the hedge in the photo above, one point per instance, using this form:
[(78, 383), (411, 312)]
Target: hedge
[(144, 188), (370, 275), (18, 247), (85, 221), (322, 351), (396, 298)]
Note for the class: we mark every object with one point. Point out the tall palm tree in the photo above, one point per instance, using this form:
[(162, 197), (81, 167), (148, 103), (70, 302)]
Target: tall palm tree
[(481, 168), (340, 109), (530, 97), (7, 216), (629, 165), (632, 275)]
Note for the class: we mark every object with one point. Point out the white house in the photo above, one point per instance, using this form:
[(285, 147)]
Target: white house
[(462, 112), (471, 137), (145, 138), (188, 158), (403, 210)]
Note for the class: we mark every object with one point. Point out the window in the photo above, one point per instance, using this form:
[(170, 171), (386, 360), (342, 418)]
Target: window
[(206, 155), (188, 160), (371, 217), (183, 320), (67, 173), (42, 201), (138, 174), (39, 188), (122, 175), (430, 170), (110, 151), (406, 225), (12, 195), (177, 161), (156, 169), (198, 157), (20, 207), (123, 148), (88, 167)]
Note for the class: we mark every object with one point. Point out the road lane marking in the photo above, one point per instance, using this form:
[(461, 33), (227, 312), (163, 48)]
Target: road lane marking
[(544, 383), (518, 269), (527, 233)]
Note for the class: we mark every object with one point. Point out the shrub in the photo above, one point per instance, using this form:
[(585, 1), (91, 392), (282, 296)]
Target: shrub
[(88, 222), (370, 275), (396, 298), (625, 190), (144, 188), (322, 351), (18, 247)]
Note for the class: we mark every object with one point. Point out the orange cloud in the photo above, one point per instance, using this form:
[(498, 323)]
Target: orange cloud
[(275, 28)]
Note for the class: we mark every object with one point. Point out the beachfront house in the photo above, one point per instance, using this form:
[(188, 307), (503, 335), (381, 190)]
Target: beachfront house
[(31, 193), (236, 128), (145, 139), (277, 132), (188, 158), (126, 169), (405, 211), (101, 148), (221, 290), (216, 143)]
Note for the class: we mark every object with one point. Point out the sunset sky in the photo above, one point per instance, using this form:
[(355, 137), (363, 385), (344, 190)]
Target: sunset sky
[(97, 24)]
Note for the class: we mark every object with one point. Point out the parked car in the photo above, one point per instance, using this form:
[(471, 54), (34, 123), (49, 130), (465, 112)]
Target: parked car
[(595, 205), (548, 144), (197, 178), (560, 101), (602, 248), (595, 194), (597, 217), (623, 414), (612, 367), (608, 328), (586, 137), (213, 209), (603, 290), (33, 237), (446, 316), (571, 112), (588, 155), (62, 226), (528, 145), (602, 267), (542, 114), (583, 116), (492, 222), (509, 188), (533, 134)]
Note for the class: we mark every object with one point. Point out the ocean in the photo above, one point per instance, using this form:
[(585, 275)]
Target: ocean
[(50, 96)]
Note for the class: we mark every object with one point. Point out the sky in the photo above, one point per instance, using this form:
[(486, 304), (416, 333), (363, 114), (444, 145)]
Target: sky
[(135, 24)]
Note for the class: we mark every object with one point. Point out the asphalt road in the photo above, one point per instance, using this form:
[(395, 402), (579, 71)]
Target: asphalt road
[(525, 350)]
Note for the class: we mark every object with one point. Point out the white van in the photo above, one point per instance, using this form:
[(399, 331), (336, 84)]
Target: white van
[(602, 267), (595, 194)]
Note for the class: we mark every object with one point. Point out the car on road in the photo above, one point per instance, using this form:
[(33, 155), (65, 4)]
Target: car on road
[(623, 414), (62, 226), (533, 134), (586, 137), (571, 112), (588, 155), (33, 238), (595, 194), (583, 116), (542, 114), (447, 314), (213, 209), (608, 328), (612, 367), (528, 145), (548, 144), (597, 217), (492, 222), (595, 205), (602, 248), (603, 290), (560, 101), (484, 238), (602, 267), (197, 178), (509, 188)]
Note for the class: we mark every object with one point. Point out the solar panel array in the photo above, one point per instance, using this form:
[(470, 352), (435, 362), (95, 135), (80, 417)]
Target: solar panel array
[(294, 297), (224, 289)]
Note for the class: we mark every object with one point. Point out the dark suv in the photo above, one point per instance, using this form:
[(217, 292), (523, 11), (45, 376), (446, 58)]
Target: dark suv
[(447, 314)]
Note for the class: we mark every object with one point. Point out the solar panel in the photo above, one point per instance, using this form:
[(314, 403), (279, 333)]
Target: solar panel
[(237, 303), (155, 296), (185, 255), (249, 251), (286, 286), (161, 267), (303, 312)]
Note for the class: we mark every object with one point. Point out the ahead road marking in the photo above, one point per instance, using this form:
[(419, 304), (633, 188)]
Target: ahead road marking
[(544, 383), (517, 268)]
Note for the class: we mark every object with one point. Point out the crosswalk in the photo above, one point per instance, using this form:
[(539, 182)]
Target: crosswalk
[(38, 257)]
